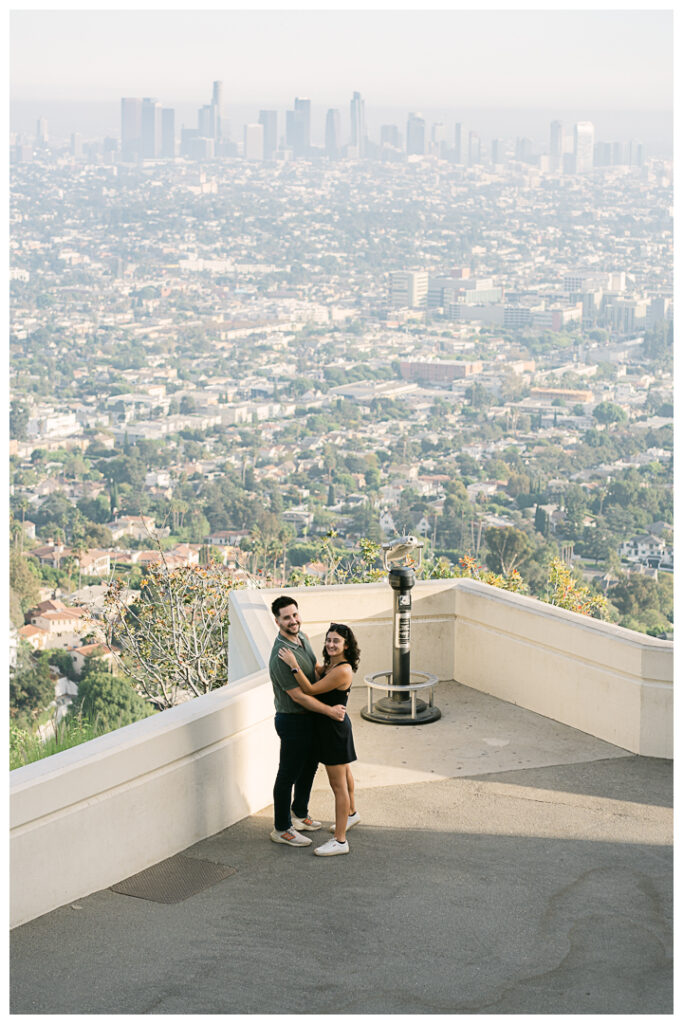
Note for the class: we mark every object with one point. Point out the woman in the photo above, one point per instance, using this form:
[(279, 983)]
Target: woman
[(334, 740)]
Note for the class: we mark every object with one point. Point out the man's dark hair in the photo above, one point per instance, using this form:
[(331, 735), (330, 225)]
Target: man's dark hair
[(281, 602)]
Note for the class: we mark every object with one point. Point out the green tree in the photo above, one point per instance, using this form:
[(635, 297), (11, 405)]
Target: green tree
[(63, 661), (637, 594), (478, 396), (508, 548), (541, 521), (18, 420), (575, 505), (608, 413), (109, 698), (373, 480), (30, 685), (95, 510), (24, 579), (95, 536)]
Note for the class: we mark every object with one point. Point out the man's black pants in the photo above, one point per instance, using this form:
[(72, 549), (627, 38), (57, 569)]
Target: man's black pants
[(297, 768)]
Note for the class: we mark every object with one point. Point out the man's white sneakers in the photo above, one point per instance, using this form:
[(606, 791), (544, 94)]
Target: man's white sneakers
[(290, 837), (306, 824), (331, 848)]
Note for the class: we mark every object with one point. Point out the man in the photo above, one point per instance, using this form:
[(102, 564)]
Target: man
[(294, 725)]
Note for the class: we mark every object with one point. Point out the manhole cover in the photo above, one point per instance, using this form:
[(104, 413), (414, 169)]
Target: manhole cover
[(173, 880)]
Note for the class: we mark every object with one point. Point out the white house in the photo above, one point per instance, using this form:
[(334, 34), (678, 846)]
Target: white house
[(644, 547), (386, 523)]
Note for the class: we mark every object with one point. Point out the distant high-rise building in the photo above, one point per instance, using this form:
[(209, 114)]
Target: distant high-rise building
[(253, 142), (389, 135), (524, 150), (196, 146), (408, 288), (303, 107), (217, 111), (131, 128), (457, 144), (584, 141), (168, 149), (357, 141), (294, 132), (416, 128), (333, 134), (291, 133), (635, 153), (473, 148), (438, 138), (210, 123), (556, 146), (268, 118), (298, 128), (617, 154), (41, 131), (497, 151), (205, 121), (150, 133), (603, 154), (76, 145)]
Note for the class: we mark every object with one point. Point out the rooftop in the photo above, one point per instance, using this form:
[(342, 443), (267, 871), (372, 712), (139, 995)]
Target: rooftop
[(503, 864), (506, 861)]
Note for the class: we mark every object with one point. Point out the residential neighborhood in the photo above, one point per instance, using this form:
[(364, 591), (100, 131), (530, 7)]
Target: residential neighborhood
[(229, 362)]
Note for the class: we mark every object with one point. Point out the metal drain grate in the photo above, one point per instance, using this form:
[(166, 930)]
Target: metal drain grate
[(173, 880)]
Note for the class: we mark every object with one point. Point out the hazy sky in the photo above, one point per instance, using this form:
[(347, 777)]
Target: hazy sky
[(604, 59)]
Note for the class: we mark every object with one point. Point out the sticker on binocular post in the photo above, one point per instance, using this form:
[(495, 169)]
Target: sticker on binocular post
[(402, 637), (404, 600)]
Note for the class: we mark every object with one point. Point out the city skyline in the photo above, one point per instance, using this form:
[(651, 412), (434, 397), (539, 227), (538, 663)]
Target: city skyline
[(454, 57)]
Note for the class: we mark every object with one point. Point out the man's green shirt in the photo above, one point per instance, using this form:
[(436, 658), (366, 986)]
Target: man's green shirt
[(281, 674)]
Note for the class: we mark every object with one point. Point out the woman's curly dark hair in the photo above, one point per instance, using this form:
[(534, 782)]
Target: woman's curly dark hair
[(352, 652)]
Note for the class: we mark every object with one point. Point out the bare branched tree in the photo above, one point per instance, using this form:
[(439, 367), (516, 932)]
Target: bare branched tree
[(173, 640)]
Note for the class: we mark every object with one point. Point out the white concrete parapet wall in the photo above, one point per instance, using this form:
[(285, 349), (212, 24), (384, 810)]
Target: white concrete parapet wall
[(100, 812), (611, 682), (93, 815)]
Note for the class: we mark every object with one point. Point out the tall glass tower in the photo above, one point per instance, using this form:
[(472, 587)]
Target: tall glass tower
[(332, 134), (268, 118), (303, 108), (217, 111), (358, 123), (584, 141), (556, 145)]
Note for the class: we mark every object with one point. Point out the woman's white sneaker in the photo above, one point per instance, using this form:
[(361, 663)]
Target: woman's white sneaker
[(331, 848), (353, 819)]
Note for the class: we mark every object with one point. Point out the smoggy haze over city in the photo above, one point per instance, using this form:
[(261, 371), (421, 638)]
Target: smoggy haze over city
[(611, 60), (506, 72)]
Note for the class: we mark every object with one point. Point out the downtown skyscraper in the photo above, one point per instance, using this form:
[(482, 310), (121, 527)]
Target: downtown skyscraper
[(333, 135), (357, 141), (298, 128), (268, 118), (584, 142), (416, 140)]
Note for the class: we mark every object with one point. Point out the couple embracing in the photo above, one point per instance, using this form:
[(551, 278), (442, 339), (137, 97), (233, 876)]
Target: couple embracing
[(311, 721)]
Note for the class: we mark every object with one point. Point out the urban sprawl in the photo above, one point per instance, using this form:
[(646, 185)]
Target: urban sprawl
[(232, 352)]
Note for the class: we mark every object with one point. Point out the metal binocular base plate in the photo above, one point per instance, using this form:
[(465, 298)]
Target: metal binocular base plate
[(389, 711)]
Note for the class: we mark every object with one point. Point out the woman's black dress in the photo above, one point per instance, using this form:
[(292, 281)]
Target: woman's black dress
[(334, 740)]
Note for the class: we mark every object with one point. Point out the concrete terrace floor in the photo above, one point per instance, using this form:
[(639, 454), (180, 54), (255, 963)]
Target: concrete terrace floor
[(504, 864)]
